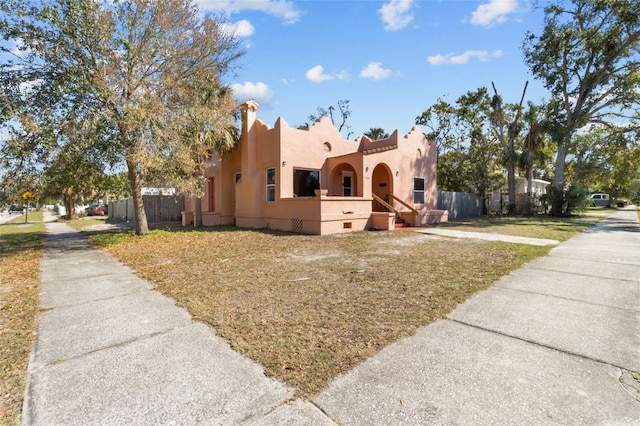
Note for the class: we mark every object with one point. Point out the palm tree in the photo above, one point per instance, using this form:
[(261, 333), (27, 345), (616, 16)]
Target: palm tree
[(376, 133), (533, 146)]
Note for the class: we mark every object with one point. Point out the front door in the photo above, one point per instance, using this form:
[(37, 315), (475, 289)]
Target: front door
[(347, 184)]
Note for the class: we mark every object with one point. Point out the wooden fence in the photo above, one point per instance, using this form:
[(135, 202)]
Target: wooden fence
[(460, 204), (158, 208)]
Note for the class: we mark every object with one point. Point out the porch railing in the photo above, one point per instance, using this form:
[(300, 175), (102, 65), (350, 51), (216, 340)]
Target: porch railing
[(414, 211), (385, 204)]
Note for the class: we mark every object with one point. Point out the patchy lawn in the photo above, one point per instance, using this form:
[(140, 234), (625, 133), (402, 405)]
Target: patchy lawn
[(20, 252), (309, 308)]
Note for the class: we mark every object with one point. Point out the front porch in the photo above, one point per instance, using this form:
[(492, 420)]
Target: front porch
[(323, 215)]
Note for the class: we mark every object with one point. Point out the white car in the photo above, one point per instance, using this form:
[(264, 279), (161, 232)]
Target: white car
[(599, 200)]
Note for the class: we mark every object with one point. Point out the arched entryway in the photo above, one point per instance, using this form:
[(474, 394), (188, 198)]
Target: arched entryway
[(381, 185), (344, 181)]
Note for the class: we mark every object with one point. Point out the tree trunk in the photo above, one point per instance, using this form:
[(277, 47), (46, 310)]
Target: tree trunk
[(511, 184), (527, 201), (198, 219), (557, 205), (69, 203), (578, 168), (142, 227)]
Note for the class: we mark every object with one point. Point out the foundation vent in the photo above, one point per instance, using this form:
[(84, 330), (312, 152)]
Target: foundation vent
[(296, 225)]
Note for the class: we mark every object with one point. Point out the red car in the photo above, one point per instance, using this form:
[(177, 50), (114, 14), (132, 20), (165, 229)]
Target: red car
[(97, 209)]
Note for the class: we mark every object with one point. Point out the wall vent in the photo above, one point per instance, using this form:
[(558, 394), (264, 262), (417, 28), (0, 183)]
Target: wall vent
[(296, 225)]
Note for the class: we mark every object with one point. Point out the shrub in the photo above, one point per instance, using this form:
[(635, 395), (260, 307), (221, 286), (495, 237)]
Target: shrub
[(566, 201)]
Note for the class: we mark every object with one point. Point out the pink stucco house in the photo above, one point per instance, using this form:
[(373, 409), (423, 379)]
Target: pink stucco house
[(314, 181)]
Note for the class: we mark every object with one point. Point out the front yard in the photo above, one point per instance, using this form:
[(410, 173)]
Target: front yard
[(309, 308)]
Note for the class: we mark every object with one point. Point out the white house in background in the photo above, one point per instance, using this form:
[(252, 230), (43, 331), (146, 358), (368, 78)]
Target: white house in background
[(500, 197), (158, 191)]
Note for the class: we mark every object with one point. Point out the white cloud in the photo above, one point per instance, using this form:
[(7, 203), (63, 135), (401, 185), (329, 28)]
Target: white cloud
[(317, 75), (396, 14), (17, 48), (375, 71), (259, 92), (493, 13), (450, 58), (242, 28), (283, 9), (342, 75)]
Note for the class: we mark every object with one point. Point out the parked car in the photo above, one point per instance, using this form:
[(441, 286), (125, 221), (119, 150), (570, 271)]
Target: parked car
[(97, 209), (14, 208), (621, 202), (599, 200)]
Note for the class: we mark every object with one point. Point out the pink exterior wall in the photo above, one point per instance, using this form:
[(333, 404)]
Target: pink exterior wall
[(395, 160)]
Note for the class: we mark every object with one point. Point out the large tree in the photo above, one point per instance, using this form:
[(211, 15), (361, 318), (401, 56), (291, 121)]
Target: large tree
[(443, 126), (607, 160), (507, 124), (504, 123), (480, 114), (536, 152), (338, 114), (468, 150), (587, 56), (136, 70)]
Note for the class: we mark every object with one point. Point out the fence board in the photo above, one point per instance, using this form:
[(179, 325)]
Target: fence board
[(158, 208), (460, 204)]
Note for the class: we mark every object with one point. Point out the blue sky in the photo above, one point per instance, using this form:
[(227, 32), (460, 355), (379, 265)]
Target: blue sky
[(391, 59)]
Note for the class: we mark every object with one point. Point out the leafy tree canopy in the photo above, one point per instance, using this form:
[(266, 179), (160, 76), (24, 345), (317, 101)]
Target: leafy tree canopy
[(376, 133), (143, 75), (588, 57)]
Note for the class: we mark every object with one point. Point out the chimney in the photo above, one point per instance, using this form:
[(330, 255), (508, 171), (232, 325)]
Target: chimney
[(248, 111)]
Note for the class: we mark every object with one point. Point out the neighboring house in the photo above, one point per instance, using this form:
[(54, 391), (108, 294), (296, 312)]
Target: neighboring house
[(500, 197), (158, 191), (314, 181)]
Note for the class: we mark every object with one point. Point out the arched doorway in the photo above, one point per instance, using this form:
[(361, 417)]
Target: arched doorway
[(344, 181), (382, 185)]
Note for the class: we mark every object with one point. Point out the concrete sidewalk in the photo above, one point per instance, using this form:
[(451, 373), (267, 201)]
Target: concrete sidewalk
[(487, 236), (552, 343)]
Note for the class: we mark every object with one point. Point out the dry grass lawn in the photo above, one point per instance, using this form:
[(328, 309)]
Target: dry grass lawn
[(309, 308), (20, 252)]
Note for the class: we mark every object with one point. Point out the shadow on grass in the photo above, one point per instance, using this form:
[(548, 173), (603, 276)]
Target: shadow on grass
[(177, 228), (18, 237)]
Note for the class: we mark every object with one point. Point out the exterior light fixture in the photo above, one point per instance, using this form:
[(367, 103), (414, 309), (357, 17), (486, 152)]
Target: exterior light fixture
[(284, 163)]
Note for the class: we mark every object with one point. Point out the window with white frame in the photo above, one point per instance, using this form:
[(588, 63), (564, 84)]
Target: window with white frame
[(418, 190), (271, 185)]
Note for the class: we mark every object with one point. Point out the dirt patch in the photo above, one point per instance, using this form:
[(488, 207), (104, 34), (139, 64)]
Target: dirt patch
[(106, 227)]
